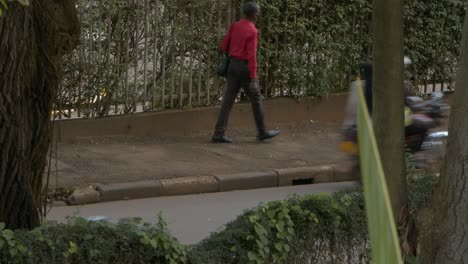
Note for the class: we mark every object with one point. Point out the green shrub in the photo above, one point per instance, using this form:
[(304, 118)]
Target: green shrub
[(317, 228), (82, 241), (420, 189), (312, 46)]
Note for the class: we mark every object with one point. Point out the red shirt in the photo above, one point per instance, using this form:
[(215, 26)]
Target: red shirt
[(242, 39)]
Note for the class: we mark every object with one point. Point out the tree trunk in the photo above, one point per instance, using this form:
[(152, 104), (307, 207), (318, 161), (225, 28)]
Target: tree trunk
[(444, 226), (33, 40), (388, 94)]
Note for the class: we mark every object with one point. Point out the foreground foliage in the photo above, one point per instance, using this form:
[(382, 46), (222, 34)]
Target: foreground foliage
[(317, 228)]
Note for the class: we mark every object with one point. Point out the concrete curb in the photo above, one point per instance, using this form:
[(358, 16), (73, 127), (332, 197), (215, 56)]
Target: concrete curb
[(189, 185), (212, 184), (247, 181), (129, 190)]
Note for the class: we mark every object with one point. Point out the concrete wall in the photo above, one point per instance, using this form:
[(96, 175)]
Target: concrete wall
[(180, 122)]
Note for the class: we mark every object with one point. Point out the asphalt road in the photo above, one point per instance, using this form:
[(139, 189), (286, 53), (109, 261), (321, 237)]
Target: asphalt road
[(192, 218)]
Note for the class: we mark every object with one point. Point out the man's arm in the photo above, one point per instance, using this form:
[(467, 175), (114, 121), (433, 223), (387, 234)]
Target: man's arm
[(226, 40), (252, 55)]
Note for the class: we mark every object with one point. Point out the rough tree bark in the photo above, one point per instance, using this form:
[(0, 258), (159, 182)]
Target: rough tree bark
[(444, 226), (33, 40), (388, 96)]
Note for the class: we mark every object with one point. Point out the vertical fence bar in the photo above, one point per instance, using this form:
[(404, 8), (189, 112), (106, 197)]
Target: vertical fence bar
[(192, 23), (182, 57), (208, 86), (136, 44), (173, 61), (267, 60), (220, 29), (209, 55), (90, 81), (97, 88), (279, 90), (145, 58), (199, 56), (200, 74), (118, 63), (181, 87), (108, 90), (99, 60), (118, 78), (127, 63), (80, 62), (70, 96), (172, 78), (164, 55), (297, 56), (155, 53)]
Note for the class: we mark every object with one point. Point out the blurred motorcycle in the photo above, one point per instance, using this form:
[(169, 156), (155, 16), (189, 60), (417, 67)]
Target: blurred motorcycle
[(426, 115)]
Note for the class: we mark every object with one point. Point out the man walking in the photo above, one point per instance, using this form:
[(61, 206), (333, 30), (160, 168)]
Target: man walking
[(241, 43)]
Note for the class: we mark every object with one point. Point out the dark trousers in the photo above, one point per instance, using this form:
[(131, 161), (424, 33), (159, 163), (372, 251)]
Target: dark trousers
[(239, 77)]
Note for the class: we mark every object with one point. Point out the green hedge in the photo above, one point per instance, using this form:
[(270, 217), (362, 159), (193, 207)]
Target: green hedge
[(309, 47), (310, 229), (315, 228), (80, 241)]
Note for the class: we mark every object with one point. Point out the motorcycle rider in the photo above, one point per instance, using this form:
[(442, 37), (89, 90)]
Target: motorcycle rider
[(363, 79), (416, 126)]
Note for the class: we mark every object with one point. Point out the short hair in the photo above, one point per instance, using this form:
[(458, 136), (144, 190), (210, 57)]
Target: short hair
[(250, 9)]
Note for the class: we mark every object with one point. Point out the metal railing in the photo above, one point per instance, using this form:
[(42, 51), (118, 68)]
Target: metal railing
[(144, 55), (151, 55)]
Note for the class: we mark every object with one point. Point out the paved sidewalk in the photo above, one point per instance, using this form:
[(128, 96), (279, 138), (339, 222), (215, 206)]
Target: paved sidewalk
[(122, 159)]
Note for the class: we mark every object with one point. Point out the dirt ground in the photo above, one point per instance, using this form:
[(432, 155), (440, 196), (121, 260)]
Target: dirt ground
[(123, 159)]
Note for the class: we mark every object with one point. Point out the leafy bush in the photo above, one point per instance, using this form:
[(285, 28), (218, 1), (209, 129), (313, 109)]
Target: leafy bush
[(311, 229), (82, 241), (420, 189), (316, 228)]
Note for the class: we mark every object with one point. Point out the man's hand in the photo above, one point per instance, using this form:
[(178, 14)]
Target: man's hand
[(254, 86)]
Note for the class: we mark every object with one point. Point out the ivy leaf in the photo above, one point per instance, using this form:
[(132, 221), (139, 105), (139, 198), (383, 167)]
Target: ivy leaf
[(8, 234), (252, 256), (22, 249), (278, 246), (73, 248), (280, 227)]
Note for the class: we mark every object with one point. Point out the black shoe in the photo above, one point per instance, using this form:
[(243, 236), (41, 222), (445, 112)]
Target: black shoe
[(268, 135), (221, 139)]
